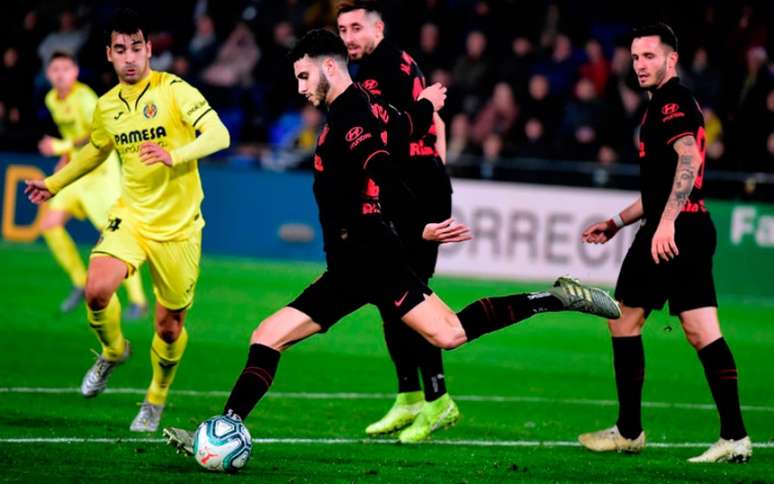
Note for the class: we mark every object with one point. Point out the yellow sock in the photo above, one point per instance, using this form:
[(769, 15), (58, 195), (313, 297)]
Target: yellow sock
[(66, 254), (106, 323), (133, 285), (165, 358)]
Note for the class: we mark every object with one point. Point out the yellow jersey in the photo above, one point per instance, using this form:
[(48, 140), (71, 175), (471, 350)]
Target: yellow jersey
[(73, 116), (160, 202)]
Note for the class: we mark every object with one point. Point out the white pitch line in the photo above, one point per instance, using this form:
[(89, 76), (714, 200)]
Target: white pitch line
[(389, 396), (343, 441)]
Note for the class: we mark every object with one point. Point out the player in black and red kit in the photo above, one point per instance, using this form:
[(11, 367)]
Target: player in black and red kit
[(365, 259), (671, 256), (391, 73)]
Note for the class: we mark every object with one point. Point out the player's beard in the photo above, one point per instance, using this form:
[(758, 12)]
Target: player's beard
[(321, 92), (658, 77)]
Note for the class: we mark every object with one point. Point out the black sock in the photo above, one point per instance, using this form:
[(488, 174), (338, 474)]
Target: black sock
[(720, 370), (254, 381), (430, 367), (493, 313), (399, 338), (629, 364)]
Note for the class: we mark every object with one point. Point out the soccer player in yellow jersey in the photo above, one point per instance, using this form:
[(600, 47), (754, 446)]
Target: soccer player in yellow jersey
[(72, 104), (150, 119)]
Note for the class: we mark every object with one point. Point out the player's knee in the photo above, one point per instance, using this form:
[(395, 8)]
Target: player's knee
[(169, 333), (625, 326), (97, 293), (447, 339), (264, 336)]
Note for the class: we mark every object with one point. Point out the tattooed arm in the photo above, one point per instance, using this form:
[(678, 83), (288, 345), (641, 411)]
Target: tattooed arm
[(689, 162)]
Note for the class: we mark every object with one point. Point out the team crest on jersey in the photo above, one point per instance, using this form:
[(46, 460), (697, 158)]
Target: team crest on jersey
[(150, 111)]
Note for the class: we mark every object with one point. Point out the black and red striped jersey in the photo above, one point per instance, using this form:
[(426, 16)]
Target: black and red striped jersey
[(352, 161), (672, 113), (393, 75)]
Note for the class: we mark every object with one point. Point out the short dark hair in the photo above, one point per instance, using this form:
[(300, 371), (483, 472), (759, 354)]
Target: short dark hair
[(59, 54), (662, 30), (125, 21), (370, 6), (318, 43)]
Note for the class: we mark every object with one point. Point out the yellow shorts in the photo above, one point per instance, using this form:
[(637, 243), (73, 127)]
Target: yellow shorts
[(174, 265), (87, 199)]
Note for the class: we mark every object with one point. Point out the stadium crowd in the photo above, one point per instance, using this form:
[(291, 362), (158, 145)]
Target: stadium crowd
[(544, 79)]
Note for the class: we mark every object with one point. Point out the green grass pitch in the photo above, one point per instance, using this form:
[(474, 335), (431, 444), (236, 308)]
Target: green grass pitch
[(525, 393)]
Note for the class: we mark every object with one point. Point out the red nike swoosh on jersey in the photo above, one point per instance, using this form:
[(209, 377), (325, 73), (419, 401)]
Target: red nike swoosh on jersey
[(398, 302)]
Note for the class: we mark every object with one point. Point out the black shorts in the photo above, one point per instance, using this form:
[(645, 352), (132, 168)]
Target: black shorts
[(384, 280), (685, 281)]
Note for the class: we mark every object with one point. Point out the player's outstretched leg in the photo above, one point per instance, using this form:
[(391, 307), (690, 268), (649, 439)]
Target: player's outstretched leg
[(494, 313), (167, 348), (104, 314)]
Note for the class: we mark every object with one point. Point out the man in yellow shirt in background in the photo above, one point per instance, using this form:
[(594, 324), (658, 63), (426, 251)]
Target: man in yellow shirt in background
[(151, 120), (71, 104)]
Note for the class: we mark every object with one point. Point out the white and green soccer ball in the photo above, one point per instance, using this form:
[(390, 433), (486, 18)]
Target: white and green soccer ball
[(222, 443)]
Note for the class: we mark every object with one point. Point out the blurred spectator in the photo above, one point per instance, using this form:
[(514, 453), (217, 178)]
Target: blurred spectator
[(68, 38), (163, 58), (582, 128), (498, 115), (533, 142), (753, 118), (624, 102), (236, 58), (516, 67), (596, 68), (606, 155), (429, 56), (460, 144), (713, 130), (703, 80), (15, 89), (472, 70), (492, 153), (202, 48), (560, 67), (541, 105)]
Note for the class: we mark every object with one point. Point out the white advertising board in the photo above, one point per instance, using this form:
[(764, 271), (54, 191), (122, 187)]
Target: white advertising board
[(532, 232)]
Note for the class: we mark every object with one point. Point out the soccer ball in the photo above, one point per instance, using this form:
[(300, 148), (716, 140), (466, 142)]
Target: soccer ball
[(222, 443)]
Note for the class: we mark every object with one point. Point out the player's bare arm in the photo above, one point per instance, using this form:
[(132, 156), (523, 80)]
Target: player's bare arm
[(87, 159), (689, 162), (601, 232)]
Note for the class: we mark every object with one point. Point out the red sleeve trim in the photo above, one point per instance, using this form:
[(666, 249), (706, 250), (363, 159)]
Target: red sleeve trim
[(365, 163), (681, 135)]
